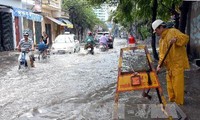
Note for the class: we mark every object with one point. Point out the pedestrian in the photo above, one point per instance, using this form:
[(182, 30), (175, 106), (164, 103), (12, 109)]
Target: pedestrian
[(46, 41), (131, 40), (46, 38), (176, 61)]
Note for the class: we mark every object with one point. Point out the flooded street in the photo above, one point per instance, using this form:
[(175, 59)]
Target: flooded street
[(70, 87), (67, 86)]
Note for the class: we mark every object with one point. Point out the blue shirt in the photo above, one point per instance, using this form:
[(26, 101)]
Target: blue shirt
[(41, 46)]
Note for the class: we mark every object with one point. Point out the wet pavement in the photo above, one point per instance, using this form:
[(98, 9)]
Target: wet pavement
[(79, 87)]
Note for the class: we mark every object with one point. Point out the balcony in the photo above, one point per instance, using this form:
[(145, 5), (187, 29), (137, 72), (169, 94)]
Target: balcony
[(51, 4)]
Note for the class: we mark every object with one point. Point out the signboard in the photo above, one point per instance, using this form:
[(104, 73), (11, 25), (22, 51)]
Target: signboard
[(124, 82), (27, 14), (136, 72), (142, 67)]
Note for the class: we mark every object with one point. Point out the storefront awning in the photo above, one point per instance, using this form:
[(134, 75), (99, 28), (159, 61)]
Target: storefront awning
[(67, 22), (56, 21), (27, 14)]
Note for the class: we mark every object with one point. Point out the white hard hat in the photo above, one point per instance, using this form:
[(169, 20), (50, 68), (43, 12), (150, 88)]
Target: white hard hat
[(25, 34), (156, 23)]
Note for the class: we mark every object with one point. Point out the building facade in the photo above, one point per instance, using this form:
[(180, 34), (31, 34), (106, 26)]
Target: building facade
[(194, 29), (102, 12), (32, 16), (15, 20)]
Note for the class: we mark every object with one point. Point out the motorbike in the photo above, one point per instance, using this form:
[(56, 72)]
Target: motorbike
[(43, 56), (24, 59), (110, 42), (103, 47), (89, 49), (43, 52)]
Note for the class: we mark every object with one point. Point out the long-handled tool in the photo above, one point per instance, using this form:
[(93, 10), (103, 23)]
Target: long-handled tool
[(160, 96), (163, 60), (182, 114), (146, 94)]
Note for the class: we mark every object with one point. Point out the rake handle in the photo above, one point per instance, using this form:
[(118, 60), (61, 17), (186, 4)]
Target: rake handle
[(162, 62)]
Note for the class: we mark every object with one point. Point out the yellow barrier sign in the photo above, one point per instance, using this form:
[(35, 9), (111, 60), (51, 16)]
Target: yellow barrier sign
[(124, 82), (125, 76), (136, 72)]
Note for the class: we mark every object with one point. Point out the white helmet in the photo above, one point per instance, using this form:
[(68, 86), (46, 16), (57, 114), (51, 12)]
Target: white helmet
[(156, 23), (25, 34)]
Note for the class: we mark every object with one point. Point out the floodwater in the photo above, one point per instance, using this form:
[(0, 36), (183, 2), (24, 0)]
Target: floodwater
[(70, 87)]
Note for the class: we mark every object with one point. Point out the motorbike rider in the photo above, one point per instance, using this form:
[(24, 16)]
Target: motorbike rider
[(42, 47), (103, 40), (89, 42), (28, 45)]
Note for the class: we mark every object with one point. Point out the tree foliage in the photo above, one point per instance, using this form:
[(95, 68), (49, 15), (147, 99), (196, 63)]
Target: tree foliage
[(81, 14), (135, 12), (129, 11)]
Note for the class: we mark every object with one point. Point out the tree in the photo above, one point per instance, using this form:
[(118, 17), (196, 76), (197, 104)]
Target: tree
[(184, 8), (153, 41), (81, 15), (136, 11)]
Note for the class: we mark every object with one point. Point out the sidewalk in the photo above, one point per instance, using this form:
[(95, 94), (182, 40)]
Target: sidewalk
[(192, 91)]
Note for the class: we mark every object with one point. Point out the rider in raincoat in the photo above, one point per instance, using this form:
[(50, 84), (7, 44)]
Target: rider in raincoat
[(176, 61), (89, 42)]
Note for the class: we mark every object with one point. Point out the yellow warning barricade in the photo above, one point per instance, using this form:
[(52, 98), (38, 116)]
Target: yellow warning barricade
[(124, 82), (124, 79)]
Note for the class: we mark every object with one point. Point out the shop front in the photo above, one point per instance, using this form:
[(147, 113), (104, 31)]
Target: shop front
[(27, 21)]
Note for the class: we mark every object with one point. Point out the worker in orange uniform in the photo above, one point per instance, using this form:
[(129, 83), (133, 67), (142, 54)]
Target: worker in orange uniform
[(176, 61), (131, 41)]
